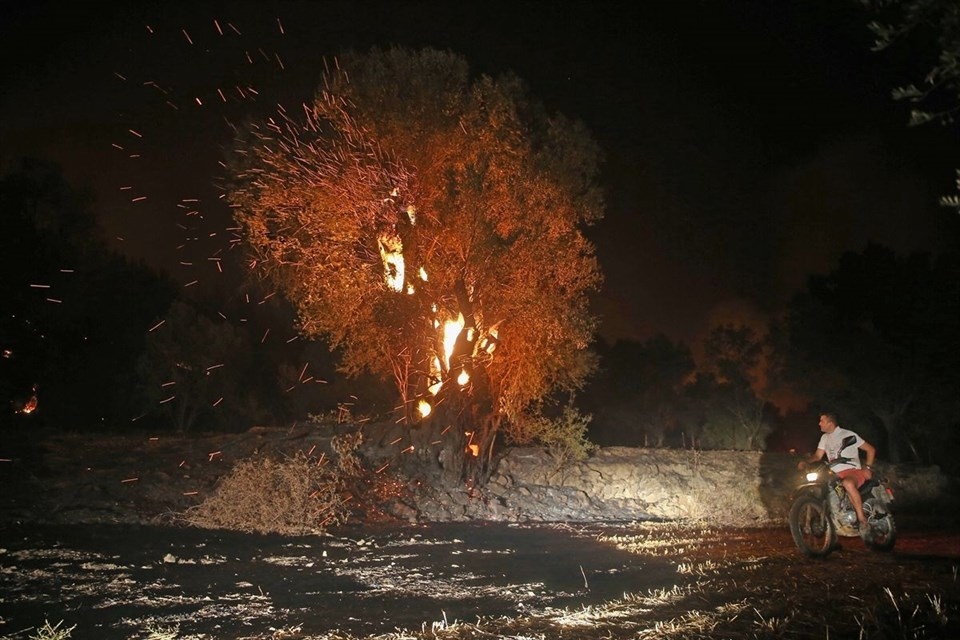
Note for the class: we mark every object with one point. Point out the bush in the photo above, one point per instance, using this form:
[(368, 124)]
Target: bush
[(564, 437), (291, 496)]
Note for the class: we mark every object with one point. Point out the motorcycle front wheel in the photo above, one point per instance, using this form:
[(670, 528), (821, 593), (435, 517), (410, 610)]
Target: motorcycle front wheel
[(811, 528)]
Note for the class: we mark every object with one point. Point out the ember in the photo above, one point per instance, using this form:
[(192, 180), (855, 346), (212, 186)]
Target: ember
[(31, 404)]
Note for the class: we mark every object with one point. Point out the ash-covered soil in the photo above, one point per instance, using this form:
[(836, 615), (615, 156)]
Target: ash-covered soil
[(472, 580)]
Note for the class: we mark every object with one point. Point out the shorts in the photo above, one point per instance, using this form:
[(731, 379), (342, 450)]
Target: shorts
[(859, 475)]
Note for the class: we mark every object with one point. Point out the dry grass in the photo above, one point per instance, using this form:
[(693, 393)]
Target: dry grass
[(51, 632), (690, 613), (297, 494), (291, 496)]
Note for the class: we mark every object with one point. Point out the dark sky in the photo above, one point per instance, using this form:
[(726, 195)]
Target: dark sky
[(749, 143)]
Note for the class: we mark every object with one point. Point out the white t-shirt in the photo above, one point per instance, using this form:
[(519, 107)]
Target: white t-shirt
[(833, 444)]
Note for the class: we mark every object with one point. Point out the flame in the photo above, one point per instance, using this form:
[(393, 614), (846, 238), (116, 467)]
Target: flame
[(424, 408), (463, 378), (391, 252), (436, 375), (30, 405), (451, 330), (472, 447), (489, 342)]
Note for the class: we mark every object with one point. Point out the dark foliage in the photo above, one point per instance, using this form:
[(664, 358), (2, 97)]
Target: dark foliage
[(636, 397), (75, 313), (879, 340)]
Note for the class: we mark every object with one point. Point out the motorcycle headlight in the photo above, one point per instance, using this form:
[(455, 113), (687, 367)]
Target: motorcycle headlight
[(812, 476)]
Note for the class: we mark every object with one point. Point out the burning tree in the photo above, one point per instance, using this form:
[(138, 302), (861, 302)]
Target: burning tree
[(428, 225)]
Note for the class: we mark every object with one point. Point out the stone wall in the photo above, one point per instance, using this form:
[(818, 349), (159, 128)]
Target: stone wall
[(78, 477), (725, 488)]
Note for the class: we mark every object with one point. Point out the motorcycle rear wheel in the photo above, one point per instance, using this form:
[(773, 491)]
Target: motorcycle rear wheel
[(811, 528), (883, 530)]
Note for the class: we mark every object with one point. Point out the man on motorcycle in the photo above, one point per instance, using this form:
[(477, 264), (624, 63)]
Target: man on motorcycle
[(842, 448)]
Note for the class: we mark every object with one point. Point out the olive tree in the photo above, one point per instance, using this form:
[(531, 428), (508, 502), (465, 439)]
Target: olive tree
[(428, 223)]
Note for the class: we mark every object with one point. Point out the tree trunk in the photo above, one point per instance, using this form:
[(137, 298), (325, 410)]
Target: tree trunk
[(892, 432), (465, 429)]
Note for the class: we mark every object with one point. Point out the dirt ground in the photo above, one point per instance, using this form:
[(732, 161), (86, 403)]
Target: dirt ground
[(86, 538), (472, 580)]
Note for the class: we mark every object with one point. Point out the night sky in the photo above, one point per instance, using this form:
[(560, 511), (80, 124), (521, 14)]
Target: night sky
[(748, 144)]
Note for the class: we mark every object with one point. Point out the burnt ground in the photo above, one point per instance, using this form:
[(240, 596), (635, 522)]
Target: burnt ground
[(115, 580), (462, 580), (83, 541)]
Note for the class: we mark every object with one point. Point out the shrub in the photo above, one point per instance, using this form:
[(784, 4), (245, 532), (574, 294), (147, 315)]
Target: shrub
[(564, 437), (264, 494)]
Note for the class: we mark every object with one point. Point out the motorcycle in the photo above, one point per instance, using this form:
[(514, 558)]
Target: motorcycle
[(822, 511)]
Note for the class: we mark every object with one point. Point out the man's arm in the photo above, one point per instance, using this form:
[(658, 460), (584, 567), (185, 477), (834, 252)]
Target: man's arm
[(814, 457)]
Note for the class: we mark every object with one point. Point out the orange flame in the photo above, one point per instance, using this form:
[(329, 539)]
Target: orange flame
[(424, 408), (451, 331), (31, 405)]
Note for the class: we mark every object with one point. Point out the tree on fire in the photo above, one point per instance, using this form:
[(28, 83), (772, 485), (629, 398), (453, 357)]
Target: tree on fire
[(428, 224)]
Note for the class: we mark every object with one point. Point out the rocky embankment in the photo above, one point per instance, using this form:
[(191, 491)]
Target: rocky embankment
[(620, 483), (724, 488), (138, 478)]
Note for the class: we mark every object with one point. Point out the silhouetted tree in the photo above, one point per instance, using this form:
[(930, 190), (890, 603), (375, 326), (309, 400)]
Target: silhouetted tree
[(75, 314), (878, 337), (202, 372), (732, 412), (635, 397)]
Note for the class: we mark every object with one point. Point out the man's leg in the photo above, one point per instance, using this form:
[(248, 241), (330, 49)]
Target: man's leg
[(850, 484)]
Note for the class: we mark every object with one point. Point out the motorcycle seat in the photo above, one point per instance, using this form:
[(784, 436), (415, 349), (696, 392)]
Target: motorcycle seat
[(868, 486)]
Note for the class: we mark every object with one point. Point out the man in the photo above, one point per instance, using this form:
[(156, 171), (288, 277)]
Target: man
[(842, 448)]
